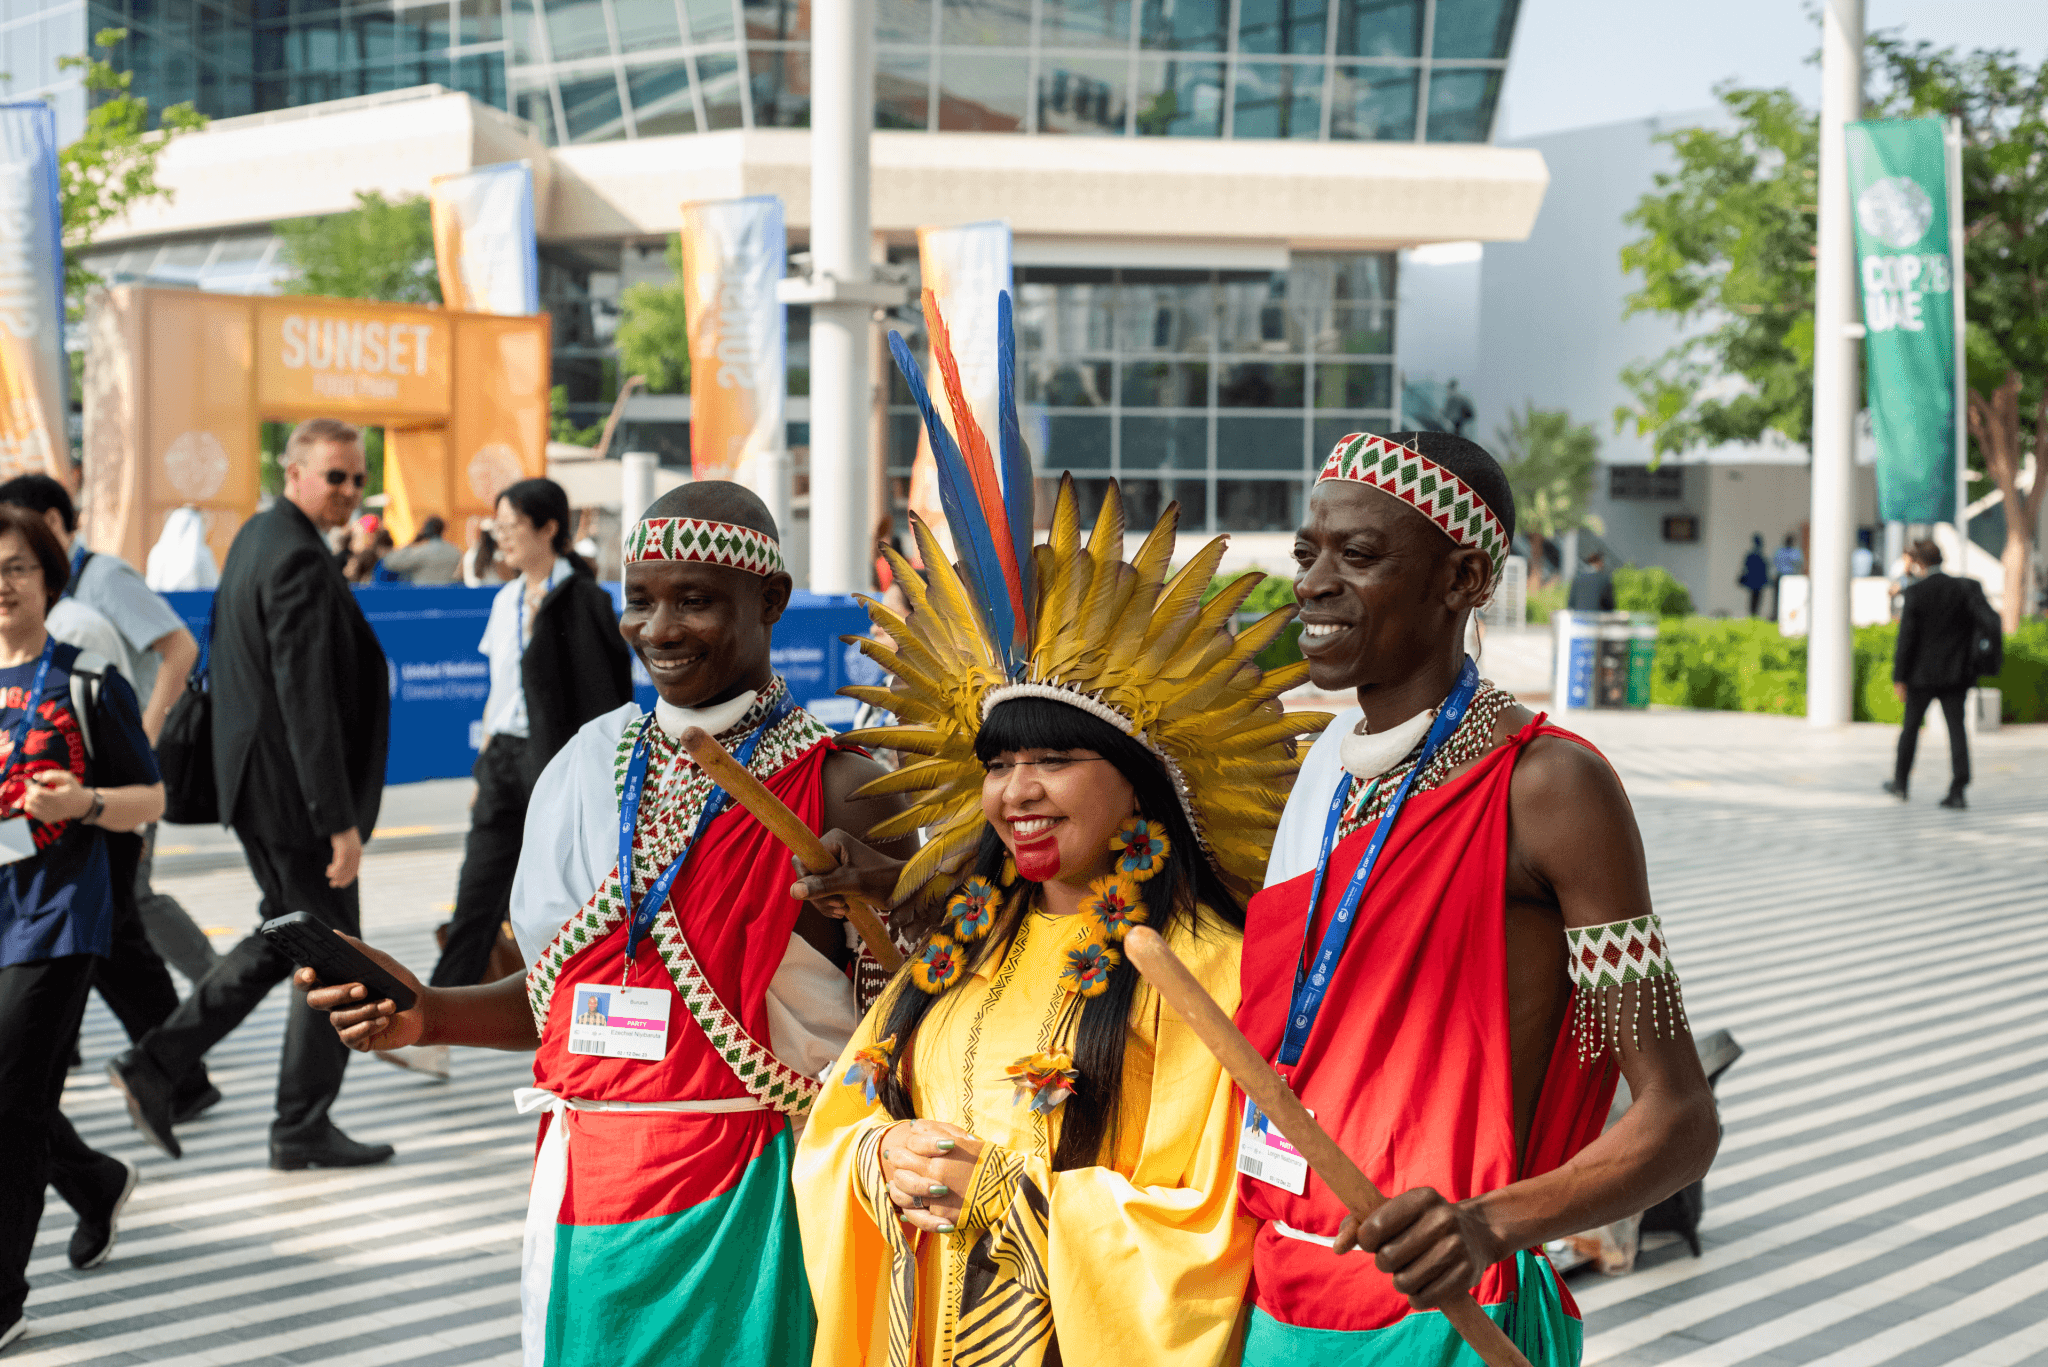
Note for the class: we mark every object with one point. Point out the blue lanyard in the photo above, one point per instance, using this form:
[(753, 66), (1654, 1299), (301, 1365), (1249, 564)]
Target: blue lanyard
[(1310, 986), (28, 710), (629, 816)]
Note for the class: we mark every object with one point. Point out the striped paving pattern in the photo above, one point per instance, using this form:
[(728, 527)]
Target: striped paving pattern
[(1881, 1195)]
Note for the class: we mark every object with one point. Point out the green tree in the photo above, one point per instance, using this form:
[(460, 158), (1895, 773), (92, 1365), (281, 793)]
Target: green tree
[(111, 166), (1550, 462), (560, 428), (381, 249), (653, 336)]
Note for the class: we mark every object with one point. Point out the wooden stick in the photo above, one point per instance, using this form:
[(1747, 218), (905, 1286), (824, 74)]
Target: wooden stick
[(787, 827), (1271, 1094)]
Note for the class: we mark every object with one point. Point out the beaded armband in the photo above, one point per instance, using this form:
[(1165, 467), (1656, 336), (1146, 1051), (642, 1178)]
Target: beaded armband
[(1604, 961)]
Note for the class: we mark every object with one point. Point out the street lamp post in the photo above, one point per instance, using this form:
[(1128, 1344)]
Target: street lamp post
[(1829, 674)]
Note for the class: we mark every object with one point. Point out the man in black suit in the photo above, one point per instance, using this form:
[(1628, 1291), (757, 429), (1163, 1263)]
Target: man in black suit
[(301, 720), (1937, 631)]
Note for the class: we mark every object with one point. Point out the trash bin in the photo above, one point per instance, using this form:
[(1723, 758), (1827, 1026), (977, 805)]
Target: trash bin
[(1578, 640), (1642, 657)]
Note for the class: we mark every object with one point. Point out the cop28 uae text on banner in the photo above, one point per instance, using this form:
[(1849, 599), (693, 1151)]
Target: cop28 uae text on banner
[(35, 376), (1898, 184), (483, 239), (734, 252), (965, 268)]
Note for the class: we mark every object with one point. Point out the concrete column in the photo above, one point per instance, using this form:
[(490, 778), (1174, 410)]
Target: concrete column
[(1829, 669), (636, 489), (842, 116)]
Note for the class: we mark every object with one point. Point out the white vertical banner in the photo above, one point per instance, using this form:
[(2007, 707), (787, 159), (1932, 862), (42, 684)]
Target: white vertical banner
[(734, 254), (484, 243), (35, 374), (964, 269)]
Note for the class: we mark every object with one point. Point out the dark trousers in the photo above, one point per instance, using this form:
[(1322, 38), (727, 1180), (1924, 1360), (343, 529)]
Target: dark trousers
[(483, 891), (1756, 602), (171, 930), (1917, 702), (291, 878), (41, 1005), (137, 988)]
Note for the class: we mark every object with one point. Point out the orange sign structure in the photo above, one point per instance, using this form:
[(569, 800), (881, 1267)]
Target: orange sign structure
[(178, 380)]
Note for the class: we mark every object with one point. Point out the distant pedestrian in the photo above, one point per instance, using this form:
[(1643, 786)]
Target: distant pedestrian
[(557, 660), (76, 766), (301, 720), (1936, 662), (1862, 560), (1592, 587), (481, 567), (369, 541), (1756, 575), (428, 559)]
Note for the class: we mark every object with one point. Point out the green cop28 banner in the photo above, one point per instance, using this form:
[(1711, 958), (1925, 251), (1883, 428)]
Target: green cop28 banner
[(1898, 183)]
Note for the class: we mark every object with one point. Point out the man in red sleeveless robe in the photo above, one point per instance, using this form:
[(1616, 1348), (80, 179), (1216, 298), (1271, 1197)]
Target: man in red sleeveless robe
[(1461, 1040), (675, 1048)]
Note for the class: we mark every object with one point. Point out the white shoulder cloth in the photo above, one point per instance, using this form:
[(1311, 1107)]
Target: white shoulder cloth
[(1299, 839)]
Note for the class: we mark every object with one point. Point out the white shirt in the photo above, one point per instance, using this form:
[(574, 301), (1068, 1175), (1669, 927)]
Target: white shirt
[(504, 645), (1298, 843)]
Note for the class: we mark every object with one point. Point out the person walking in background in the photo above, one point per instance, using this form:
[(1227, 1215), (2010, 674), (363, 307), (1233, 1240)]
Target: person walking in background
[(1756, 575), (557, 660), (1788, 560), (1935, 662), (302, 712), (1862, 560), (368, 542), (1592, 587), (429, 559), (76, 766)]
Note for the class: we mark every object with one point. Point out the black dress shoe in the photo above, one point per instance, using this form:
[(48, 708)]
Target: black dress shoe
[(93, 1240), (148, 1093), (187, 1107), (1895, 788), (331, 1150), (1954, 800)]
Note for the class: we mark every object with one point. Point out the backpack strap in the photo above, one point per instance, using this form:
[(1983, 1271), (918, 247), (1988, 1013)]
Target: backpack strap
[(87, 672), (77, 573)]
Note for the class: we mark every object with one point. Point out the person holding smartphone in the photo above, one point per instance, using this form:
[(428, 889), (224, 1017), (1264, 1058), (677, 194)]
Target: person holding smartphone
[(77, 766)]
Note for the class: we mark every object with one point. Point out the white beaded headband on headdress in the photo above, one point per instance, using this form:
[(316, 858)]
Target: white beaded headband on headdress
[(712, 543), (1435, 492)]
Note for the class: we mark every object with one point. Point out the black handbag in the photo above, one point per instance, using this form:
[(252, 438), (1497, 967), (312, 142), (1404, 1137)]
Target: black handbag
[(184, 749)]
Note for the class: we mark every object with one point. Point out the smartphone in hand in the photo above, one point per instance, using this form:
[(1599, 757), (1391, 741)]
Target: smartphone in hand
[(310, 944)]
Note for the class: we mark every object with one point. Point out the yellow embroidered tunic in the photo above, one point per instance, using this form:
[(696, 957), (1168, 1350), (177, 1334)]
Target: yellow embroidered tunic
[(1140, 1262)]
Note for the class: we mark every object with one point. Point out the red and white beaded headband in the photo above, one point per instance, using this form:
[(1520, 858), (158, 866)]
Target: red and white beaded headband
[(711, 543), (1436, 493)]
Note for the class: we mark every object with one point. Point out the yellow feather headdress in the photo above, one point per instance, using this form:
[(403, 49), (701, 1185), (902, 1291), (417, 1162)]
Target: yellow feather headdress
[(1123, 641)]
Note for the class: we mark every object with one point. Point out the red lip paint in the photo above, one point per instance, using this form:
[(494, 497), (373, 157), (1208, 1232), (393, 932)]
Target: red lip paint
[(1039, 860)]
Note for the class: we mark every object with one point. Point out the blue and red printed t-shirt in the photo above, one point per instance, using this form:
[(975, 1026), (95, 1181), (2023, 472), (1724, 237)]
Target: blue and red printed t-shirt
[(60, 900)]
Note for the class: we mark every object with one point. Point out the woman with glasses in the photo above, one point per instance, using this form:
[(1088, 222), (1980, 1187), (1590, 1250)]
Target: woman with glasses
[(75, 765)]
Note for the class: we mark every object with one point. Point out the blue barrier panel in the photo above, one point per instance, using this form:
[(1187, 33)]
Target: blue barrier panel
[(439, 679)]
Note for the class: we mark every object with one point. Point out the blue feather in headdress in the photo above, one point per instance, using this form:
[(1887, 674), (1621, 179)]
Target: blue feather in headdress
[(1016, 460)]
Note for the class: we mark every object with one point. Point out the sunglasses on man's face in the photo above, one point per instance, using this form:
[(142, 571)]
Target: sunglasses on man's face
[(337, 478)]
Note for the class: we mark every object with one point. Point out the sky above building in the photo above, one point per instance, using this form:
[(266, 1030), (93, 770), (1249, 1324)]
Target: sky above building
[(1582, 62)]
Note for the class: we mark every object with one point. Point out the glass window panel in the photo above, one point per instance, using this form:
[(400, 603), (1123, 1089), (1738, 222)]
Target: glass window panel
[(269, 51), (710, 20), (1088, 496), (1379, 28), (536, 108), (576, 29), (522, 26), (483, 77), (983, 94), (376, 37), (1165, 384), (1262, 443), (1063, 313), (1146, 499), (1180, 99), (1075, 442), (1170, 311), (1373, 104), (1067, 384), (479, 21), (781, 86), (1294, 26), (1164, 443), (1254, 313), (1184, 25), (903, 96), (1085, 23), (1354, 386), (1259, 386), (590, 104), (1258, 505), (1461, 103), (718, 75), (774, 19), (903, 21), (1081, 94), (1473, 28), (1278, 100), (985, 23), (646, 24), (661, 99), (318, 48), (1358, 330), (904, 430), (1329, 431)]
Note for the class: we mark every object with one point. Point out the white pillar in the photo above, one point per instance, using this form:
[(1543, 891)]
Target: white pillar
[(636, 488), (1952, 144), (842, 116), (1829, 673)]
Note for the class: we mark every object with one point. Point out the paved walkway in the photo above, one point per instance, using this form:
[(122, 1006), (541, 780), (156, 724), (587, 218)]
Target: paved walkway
[(1881, 1194)]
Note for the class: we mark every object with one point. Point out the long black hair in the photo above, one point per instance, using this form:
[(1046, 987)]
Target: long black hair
[(541, 501), (1171, 895)]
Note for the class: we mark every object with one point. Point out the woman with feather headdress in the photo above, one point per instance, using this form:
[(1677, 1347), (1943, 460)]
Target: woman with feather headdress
[(1022, 1157)]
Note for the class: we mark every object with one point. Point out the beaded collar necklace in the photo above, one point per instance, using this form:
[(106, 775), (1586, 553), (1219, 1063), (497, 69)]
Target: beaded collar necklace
[(1472, 739)]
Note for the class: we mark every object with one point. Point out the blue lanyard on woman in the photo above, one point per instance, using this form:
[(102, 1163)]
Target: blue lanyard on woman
[(1311, 985), (644, 912), (525, 626), (28, 711)]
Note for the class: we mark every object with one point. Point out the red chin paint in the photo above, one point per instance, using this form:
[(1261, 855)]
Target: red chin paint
[(1039, 860)]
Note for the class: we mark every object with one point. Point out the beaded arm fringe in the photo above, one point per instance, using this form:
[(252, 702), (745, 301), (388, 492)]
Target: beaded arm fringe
[(1606, 962)]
